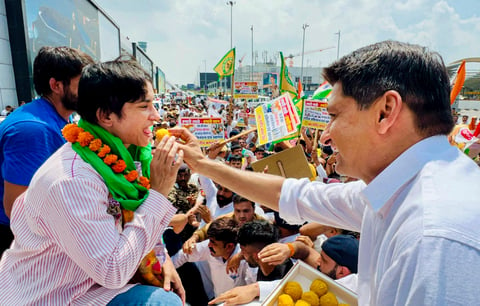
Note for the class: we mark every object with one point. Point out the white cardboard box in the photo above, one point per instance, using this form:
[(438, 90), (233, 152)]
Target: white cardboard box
[(305, 275)]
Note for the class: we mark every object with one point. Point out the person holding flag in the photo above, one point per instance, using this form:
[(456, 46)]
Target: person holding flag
[(226, 67)]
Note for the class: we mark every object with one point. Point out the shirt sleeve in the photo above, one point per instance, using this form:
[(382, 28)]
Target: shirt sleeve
[(199, 253), (76, 218), (339, 205), (208, 187), (27, 146), (266, 288)]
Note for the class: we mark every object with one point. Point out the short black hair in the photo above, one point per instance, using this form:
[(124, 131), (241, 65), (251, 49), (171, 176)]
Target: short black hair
[(60, 63), (108, 86), (327, 150), (238, 199), (418, 75), (259, 233), (235, 157), (235, 147), (223, 229)]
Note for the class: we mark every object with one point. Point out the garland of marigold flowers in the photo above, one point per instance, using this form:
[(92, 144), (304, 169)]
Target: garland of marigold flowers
[(73, 133)]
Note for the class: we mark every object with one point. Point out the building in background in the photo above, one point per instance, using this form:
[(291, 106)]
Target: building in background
[(27, 25)]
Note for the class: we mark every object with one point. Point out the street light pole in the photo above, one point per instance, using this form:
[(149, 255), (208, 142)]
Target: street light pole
[(338, 43), (304, 26), (251, 70), (231, 3)]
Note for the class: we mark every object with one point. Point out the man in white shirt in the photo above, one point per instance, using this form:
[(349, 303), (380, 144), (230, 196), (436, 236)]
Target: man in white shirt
[(220, 246), (219, 198), (390, 117), (338, 260)]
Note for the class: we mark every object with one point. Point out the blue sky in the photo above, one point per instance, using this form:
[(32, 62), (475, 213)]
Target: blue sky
[(184, 35)]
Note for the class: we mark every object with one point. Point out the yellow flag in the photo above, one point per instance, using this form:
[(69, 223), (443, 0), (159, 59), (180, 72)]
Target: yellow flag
[(226, 66)]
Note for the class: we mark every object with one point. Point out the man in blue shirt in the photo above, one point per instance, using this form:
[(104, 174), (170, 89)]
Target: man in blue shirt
[(33, 132)]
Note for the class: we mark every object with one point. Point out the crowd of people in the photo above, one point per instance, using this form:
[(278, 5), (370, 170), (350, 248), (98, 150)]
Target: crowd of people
[(102, 212)]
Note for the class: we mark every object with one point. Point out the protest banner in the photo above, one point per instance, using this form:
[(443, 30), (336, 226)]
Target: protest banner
[(241, 119), (207, 130), (246, 90), (215, 105), (315, 114), (252, 122), (276, 119)]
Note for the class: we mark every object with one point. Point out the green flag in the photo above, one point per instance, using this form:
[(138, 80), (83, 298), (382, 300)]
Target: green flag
[(226, 66), (286, 85)]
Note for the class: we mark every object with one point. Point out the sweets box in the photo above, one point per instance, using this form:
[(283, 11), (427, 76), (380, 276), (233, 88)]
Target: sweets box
[(305, 275)]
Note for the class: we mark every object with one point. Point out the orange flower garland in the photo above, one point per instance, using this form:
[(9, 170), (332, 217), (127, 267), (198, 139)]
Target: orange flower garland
[(74, 133)]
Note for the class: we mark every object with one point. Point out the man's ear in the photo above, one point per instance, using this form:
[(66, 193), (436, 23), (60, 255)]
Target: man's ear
[(343, 271), (389, 107), (56, 86), (230, 246), (103, 118)]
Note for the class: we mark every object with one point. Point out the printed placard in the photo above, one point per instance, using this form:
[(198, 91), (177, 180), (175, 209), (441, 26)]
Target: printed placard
[(315, 114), (207, 130), (246, 90), (252, 122), (241, 119), (276, 119)]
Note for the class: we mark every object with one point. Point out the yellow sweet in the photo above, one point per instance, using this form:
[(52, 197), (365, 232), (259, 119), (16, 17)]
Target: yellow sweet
[(328, 299), (302, 303), (311, 297), (293, 289), (285, 300), (319, 287), (160, 133)]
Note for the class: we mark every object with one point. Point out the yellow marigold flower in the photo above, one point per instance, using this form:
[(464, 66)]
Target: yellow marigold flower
[(84, 138), (131, 176), (110, 159), (145, 182), (95, 145), (104, 151), (70, 132), (119, 166)]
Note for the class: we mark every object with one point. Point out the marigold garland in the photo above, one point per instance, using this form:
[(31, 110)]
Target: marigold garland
[(73, 133)]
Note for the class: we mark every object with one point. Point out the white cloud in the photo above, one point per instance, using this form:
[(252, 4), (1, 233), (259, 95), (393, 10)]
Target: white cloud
[(181, 34)]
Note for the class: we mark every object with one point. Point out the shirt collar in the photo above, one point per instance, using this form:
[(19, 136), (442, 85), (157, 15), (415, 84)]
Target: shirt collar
[(402, 170)]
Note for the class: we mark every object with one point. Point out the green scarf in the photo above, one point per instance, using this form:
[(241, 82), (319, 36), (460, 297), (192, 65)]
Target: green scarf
[(129, 195)]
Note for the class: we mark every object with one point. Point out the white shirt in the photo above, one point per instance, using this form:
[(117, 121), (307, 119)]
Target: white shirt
[(220, 279), (67, 248), (420, 238)]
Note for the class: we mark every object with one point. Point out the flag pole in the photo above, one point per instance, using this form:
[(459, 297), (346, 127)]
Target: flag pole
[(232, 78)]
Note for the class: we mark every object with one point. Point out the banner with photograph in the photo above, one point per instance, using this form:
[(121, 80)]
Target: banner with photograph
[(252, 122), (215, 105), (207, 130), (246, 90), (276, 119), (241, 119), (315, 114)]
